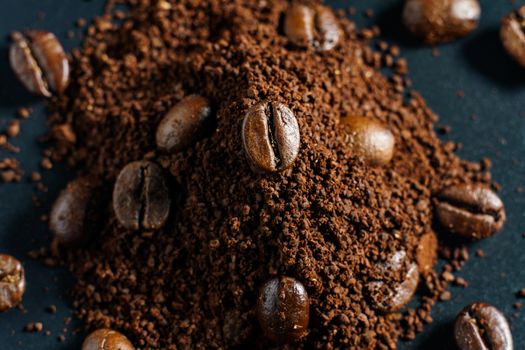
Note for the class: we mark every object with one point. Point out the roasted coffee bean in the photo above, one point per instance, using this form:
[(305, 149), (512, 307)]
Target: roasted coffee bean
[(312, 26), (12, 282), (482, 327), (426, 253), (39, 62), (140, 197), (470, 211), (69, 220), (271, 136), (106, 339), (512, 34), (440, 21), (184, 124), (389, 298), (283, 310), (369, 139)]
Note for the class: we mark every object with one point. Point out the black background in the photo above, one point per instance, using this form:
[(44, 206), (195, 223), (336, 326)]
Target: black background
[(494, 91)]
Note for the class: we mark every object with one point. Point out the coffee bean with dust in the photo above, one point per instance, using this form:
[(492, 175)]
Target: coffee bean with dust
[(184, 124), (12, 282), (393, 297), (106, 339), (271, 137), (512, 33), (39, 62), (369, 139), (72, 219), (440, 21), (140, 197), (283, 310), (470, 211), (312, 26), (482, 327)]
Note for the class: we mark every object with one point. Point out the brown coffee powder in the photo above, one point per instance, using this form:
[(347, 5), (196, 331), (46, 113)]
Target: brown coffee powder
[(330, 221)]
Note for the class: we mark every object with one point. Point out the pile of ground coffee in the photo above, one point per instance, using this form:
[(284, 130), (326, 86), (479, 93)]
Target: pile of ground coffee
[(330, 221)]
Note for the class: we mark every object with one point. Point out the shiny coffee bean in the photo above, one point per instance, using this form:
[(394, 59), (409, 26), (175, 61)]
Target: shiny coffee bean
[(426, 253), (106, 339), (482, 327), (283, 310), (440, 21), (184, 124), (70, 221), (394, 296), (271, 137), (312, 26), (512, 34), (39, 62), (470, 211), (369, 139), (140, 196), (12, 282)]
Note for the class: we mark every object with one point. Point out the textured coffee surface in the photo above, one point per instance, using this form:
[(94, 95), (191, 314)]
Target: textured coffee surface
[(329, 220)]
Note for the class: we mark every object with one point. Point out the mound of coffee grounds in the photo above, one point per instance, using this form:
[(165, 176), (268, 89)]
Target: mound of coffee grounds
[(348, 231)]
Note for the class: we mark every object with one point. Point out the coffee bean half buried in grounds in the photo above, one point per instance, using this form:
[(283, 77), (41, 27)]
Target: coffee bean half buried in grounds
[(369, 139), (140, 197), (390, 298), (512, 34), (440, 21), (271, 137), (482, 327), (70, 219), (283, 310), (314, 27), (12, 282), (39, 62), (184, 124), (106, 339), (471, 211)]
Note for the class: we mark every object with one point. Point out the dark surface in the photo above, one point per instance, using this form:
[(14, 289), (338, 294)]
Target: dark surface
[(494, 89)]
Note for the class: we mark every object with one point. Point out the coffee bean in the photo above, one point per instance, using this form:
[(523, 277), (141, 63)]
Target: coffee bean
[(184, 124), (12, 282), (39, 62), (312, 26), (140, 197), (393, 297), (512, 34), (470, 211), (69, 219), (271, 136), (283, 310), (106, 339), (439, 21), (369, 139), (426, 253), (482, 327)]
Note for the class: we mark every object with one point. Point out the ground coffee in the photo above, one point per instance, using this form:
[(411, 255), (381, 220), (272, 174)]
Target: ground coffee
[(347, 230)]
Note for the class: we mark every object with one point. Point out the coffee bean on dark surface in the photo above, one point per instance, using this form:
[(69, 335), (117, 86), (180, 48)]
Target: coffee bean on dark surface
[(39, 62), (482, 327), (394, 296), (70, 219), (440, 21), (470, 211), (106, 339), (312, 26), (140, 197), (512, 34), (369, 139), (184, 124), (283, 310), (271, 137), (12, 282)]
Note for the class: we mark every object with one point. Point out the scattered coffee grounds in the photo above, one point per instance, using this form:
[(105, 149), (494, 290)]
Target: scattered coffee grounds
[(346, 230)]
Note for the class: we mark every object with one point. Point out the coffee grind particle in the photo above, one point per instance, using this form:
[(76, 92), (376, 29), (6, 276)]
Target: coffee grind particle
[(330, 221)]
